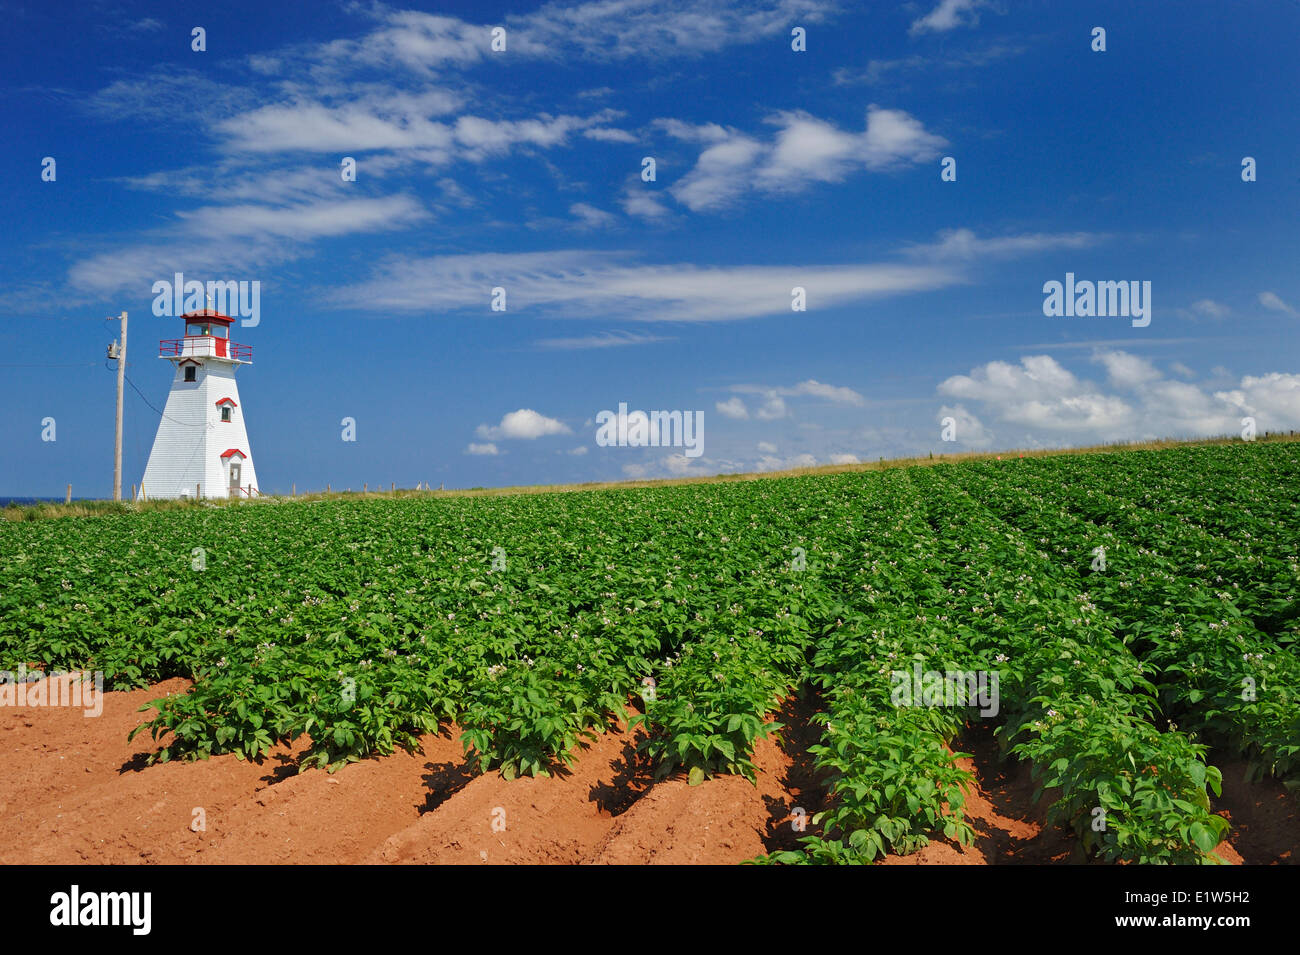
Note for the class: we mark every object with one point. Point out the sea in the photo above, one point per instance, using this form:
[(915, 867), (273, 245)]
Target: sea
[(29, 501)]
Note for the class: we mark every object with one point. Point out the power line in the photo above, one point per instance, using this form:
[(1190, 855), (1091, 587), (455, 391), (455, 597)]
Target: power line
[(183, 424)]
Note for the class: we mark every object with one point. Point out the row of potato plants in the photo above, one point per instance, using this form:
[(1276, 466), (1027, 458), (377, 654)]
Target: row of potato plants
[(1219, 674), (1072, 749), (1078, 705), (891, 776)]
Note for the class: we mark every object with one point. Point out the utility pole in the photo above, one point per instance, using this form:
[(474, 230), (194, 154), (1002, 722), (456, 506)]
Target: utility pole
[(120, 354)]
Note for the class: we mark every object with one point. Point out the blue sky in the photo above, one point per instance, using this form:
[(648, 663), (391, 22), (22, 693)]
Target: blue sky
[(521, 169)]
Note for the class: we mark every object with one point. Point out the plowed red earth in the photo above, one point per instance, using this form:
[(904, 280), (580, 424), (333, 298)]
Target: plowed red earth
[(73, 790)]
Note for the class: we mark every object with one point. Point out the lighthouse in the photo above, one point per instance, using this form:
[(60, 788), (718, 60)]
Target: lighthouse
[(202, 447)]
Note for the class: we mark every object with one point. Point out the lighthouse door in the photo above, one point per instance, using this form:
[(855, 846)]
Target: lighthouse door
[(234, 478)]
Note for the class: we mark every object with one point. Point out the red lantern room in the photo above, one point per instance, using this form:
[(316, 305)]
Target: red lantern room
[(207, 335)]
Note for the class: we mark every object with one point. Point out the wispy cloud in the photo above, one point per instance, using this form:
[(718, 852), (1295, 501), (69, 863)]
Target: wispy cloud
[(237, 238), (615, 339), (428, 45), (809, 388), (391, 121), (881, 71), (965, 245), (310, 221), (583, 283), (1113, 343)]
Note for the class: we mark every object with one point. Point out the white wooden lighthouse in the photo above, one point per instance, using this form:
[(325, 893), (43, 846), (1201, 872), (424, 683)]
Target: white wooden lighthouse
[(202, 448)]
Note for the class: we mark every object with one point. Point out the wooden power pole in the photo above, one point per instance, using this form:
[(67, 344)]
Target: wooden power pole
[(117, 440)]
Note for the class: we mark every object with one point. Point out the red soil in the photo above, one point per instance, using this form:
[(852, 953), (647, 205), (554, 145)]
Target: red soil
[(74, 791)]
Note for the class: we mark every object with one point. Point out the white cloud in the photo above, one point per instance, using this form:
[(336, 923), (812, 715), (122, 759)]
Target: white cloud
[(639, 201), (1274, 398), (1050, 402), (1209, 308), (840, 395), (722, 173), (1038, 376), (767, 447), (606, 134), (774, 463), (1040, 394), (844, 459), (488, 449), (1270, 300), (948, 15), (425, 44), (675, 465), (591, 217), (732, 408), (1127, 371), (772, 409), (678, 465), (524, 424), (391, 121), (804, 150), (968, 430)]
